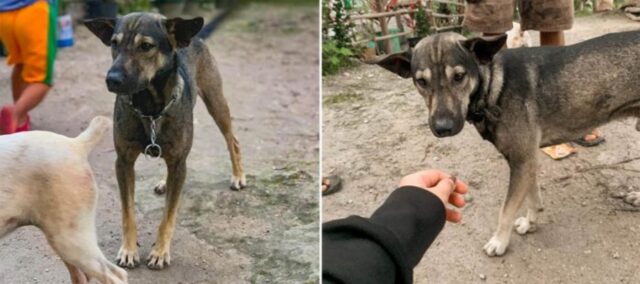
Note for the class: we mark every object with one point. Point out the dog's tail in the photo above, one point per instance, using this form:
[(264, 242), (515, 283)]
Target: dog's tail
[(210, 27), (93, 134)]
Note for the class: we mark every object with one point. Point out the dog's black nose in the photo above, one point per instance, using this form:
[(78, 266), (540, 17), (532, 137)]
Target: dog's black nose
[(115, 80), (443, 127)]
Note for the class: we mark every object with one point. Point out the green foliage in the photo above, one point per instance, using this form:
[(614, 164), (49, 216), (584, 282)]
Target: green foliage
[(126, 7), (334, 57), (423, 28), (341, 25), (326, 19), (337, 48)]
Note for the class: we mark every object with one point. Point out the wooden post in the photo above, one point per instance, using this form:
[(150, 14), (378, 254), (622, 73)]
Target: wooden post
[(384, 28), (434, 24), (400, 28)]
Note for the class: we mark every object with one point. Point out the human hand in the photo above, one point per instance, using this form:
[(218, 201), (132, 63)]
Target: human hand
[(446, 187)]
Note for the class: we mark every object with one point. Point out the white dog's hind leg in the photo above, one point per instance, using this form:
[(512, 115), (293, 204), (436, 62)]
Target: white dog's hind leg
[(77, 276), (79, 248), (633, 198)]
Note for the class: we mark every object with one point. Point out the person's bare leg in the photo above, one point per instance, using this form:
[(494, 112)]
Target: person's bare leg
[(30, 97), (17, 84), (552, 38)]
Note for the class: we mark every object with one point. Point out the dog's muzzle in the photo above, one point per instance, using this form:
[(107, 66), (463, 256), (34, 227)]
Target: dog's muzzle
[(115, 81), (442, 127)]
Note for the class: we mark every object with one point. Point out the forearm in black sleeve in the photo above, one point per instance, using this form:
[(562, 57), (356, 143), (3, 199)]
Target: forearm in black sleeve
[(385, 247)]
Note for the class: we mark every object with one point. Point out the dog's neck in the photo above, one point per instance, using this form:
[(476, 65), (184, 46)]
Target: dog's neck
[(483, 110), (159, 93)]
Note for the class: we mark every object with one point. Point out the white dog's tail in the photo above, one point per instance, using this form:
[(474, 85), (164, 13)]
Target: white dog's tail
[(93, 134)]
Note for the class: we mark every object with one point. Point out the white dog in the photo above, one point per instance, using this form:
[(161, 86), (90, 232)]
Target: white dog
[(47, 182)]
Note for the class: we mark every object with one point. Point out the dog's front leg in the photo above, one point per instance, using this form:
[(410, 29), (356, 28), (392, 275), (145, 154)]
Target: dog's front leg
[(522, 182), (128, 253), (527, 224), (160, 255)]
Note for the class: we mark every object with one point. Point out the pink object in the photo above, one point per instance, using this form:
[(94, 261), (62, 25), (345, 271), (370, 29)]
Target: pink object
[(7, 123), (26, 126)]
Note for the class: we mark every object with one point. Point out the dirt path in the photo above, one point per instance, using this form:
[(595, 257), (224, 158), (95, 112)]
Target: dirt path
[(267, 233), (375, 132)]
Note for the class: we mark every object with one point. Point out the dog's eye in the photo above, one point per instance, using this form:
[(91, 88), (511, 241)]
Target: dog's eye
[(145, 46), (458, 77), (422, 83)]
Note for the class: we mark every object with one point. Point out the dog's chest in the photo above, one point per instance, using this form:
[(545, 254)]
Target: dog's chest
[(172, 132)]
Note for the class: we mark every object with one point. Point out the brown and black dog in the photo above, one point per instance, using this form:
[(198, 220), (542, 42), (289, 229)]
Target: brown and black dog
[(158, 67)]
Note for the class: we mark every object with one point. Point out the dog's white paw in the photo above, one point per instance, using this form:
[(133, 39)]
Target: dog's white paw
[(523, 226), (495, 246), (128, 258), (238, 183), (633, 198), (158, 258), (160, 188)]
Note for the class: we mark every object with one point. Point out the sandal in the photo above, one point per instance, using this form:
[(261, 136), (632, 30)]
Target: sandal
[(334, 185), (591, 142), (7, 123), (26, 126)]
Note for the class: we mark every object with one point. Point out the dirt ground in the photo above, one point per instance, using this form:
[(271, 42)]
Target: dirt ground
[(375, 131), (266, 233)]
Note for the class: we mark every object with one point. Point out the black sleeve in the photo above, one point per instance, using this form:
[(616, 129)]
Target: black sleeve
[(386, 247)]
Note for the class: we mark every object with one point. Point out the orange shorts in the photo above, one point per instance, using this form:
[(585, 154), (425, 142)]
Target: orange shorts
[(29, 36)]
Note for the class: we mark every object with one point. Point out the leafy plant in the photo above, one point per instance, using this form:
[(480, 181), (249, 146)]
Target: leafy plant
[(326, 19), (422, 23), (337, 46), (129, 6), (341, 25), (335, 57)]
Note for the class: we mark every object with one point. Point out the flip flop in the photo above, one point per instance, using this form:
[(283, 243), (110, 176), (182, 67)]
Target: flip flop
[(590, 143), (26, 126), (7, 123), (335, 185)]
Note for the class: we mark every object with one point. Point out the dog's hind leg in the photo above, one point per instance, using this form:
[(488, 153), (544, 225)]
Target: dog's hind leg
[(522, 158), (7, 225), (211, 93), (128, 253), (77, 246), (77, 276), (160, 256), (80, 252)]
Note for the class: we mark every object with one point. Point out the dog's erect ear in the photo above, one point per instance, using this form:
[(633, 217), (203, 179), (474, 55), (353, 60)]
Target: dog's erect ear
[(399, 63), (182, 30), (484, 48), (102, 28)]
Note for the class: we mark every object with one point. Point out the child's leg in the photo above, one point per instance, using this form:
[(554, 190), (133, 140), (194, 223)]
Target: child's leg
[(34, 34), (17, 84), (30, 97)]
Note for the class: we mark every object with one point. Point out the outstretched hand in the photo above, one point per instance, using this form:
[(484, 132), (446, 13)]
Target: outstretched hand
[(449, 189)]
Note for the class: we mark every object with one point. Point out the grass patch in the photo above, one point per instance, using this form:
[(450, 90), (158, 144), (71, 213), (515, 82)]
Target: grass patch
[(286, 2), (342, 98)]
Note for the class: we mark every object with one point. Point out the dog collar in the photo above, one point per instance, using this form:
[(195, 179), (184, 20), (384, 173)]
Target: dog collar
[(153, 150), (482, 111)]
